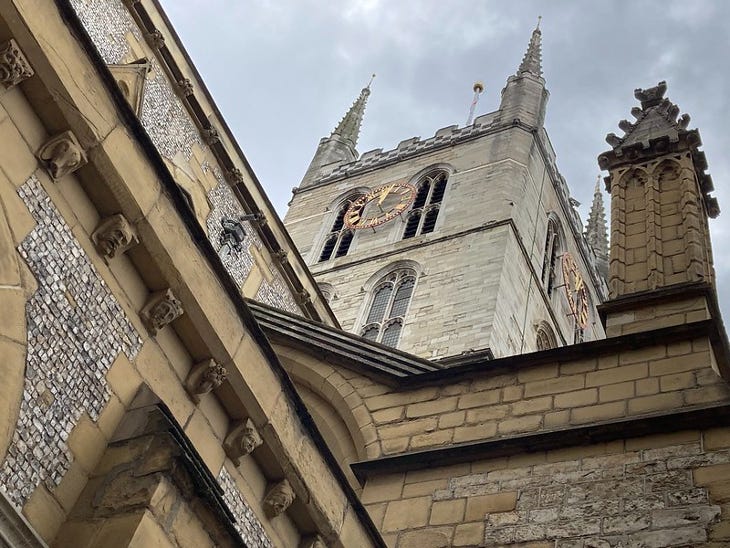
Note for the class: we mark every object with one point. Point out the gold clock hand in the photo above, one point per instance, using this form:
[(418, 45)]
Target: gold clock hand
[(384, 194)]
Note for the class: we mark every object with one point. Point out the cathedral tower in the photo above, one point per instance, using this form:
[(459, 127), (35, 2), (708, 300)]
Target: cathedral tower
[(464, 242)]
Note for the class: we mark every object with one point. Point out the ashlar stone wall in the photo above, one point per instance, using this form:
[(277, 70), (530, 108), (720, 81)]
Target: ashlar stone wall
[(650, 492)]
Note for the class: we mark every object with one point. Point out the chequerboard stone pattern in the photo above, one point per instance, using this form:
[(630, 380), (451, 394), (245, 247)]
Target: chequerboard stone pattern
[(76, 328), (247, 524)]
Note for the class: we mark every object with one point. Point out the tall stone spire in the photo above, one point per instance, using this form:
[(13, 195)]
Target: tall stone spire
[(532, 61), (596, 232), (339, 147), (349, 126), (524, 98)]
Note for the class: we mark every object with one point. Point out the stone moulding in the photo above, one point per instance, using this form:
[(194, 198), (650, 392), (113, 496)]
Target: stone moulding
[(242, 439), (204, 378), (162, 308), (62, 155), (114, 236), (278, 498), (14, 67)]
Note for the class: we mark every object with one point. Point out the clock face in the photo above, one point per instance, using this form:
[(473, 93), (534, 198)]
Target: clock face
[(380, 205), (575, 290)]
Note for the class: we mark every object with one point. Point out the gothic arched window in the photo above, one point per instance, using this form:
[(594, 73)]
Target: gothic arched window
[(425, 210), (337, 243), (390, 299), (545, 337), (551, 256)]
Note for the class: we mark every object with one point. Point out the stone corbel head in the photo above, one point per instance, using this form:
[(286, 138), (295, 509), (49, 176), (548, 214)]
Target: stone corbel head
[(241, 441), (14, 67), (186, 87), (234, 177), (278, 499), (62, 155), (203, 378), (114, 236), (161, 309)]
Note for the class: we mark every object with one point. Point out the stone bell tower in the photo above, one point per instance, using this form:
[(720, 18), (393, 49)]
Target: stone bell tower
[(660, 205)]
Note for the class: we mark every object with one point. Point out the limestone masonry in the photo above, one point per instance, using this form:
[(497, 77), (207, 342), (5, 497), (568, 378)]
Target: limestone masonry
[(405, 361)]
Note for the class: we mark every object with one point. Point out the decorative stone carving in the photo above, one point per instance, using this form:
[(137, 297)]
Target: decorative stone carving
[(211, 136), (204, 378), (313, 541), (161, 309), (278, 499), (14, 67), (241, 441), (302, 297), (114, 236), (62, 155), (234, 177), (157, 40), (186, 87), (282, 256)]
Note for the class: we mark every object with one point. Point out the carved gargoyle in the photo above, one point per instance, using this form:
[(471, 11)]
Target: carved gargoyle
[(241, 441), (278, 499), (683, 121), (204, 377), (62, 155), (114, 236), (14, 67), (161, 309)]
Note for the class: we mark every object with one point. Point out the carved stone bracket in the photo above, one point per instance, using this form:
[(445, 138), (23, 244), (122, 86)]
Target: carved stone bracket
[(282, 256), (211, 136), (161, 309), (234, 177), (14, 67), (157, 40), (303, 297), (204, 377), (114, 236), (62, 155), (241, 441), (278, 499), (186, 87)]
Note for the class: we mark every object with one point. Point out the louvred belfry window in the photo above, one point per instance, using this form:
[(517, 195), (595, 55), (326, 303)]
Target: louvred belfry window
[(340, 237), (425, 210), (390, 300), (550, 258)]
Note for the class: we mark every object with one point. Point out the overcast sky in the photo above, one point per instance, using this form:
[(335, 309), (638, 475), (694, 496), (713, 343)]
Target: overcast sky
[(284, 72)]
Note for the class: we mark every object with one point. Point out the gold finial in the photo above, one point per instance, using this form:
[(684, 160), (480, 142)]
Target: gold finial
[(478, 87), (539, 18), (371, 81)]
